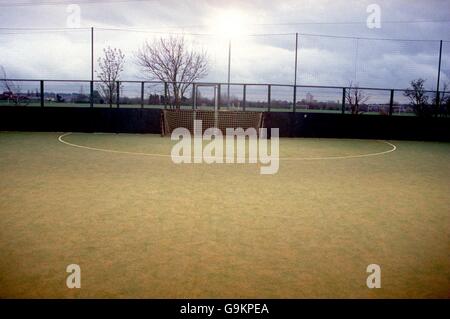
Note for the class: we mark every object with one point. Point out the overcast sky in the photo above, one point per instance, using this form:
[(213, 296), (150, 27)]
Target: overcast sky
[(258, 59)]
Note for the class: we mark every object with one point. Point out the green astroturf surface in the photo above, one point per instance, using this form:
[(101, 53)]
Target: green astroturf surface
[(141, 226)]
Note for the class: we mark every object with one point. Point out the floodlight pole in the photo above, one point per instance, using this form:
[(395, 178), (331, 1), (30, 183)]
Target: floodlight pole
[(229, 69)]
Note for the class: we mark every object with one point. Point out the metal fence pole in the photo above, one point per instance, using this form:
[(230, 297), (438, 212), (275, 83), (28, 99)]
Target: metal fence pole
[(296, 53), (244, 96), (92, 53), (42, 93), (142, 95), (294, 99), (166, 95), (391, 103), (91, 90), (343, 100), (439, 74), (194, 96), (295, 73), (118, 94), (269, 89), (218, 98), (229, 73)]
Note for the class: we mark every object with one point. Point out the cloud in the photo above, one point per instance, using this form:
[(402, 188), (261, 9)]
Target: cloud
[(322, 61)]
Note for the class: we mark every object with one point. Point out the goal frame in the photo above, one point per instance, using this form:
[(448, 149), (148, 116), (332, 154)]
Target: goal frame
[(220, 119), (195, 86)]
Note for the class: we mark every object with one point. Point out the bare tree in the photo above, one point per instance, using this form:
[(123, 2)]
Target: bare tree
[(354, 96), (445, 100), (442, 104), (170, 60), (7, 85), (111, 65), (12, 90), (417, 96)]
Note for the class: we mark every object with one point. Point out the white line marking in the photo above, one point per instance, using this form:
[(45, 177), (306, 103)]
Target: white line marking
[(60, 138), (343, 157)]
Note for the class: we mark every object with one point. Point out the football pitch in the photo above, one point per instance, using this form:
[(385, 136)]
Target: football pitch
[(141, 226)]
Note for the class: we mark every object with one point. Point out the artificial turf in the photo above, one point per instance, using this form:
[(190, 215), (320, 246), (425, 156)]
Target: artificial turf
[(141, 226)]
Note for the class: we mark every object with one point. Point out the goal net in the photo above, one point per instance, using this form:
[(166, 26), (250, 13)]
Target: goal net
[(221, 119), (172, 119)]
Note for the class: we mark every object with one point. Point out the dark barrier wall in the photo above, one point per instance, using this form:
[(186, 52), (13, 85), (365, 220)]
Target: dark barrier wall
[(122, 120), (64, 119), (360, 126)]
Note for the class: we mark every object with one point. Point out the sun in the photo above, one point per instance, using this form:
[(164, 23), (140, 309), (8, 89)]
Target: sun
[(229, 23)]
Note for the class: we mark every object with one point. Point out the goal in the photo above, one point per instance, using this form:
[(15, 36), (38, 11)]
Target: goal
[(210, 116)]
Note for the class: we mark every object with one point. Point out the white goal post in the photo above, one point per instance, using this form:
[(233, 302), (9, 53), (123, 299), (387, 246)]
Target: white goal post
[(195, 86)]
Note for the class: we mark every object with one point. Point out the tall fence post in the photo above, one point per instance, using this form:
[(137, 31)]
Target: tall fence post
[(91, 86), (244, 96), (166, 95), (142, 95), (269, 92), (218, 98), (391, 103), (91, 90), (296, 53), (343, 100), (295, 73), (439, 75), (229, 72), (194, 96), (294, 99), (42, 92), (118, 94)]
